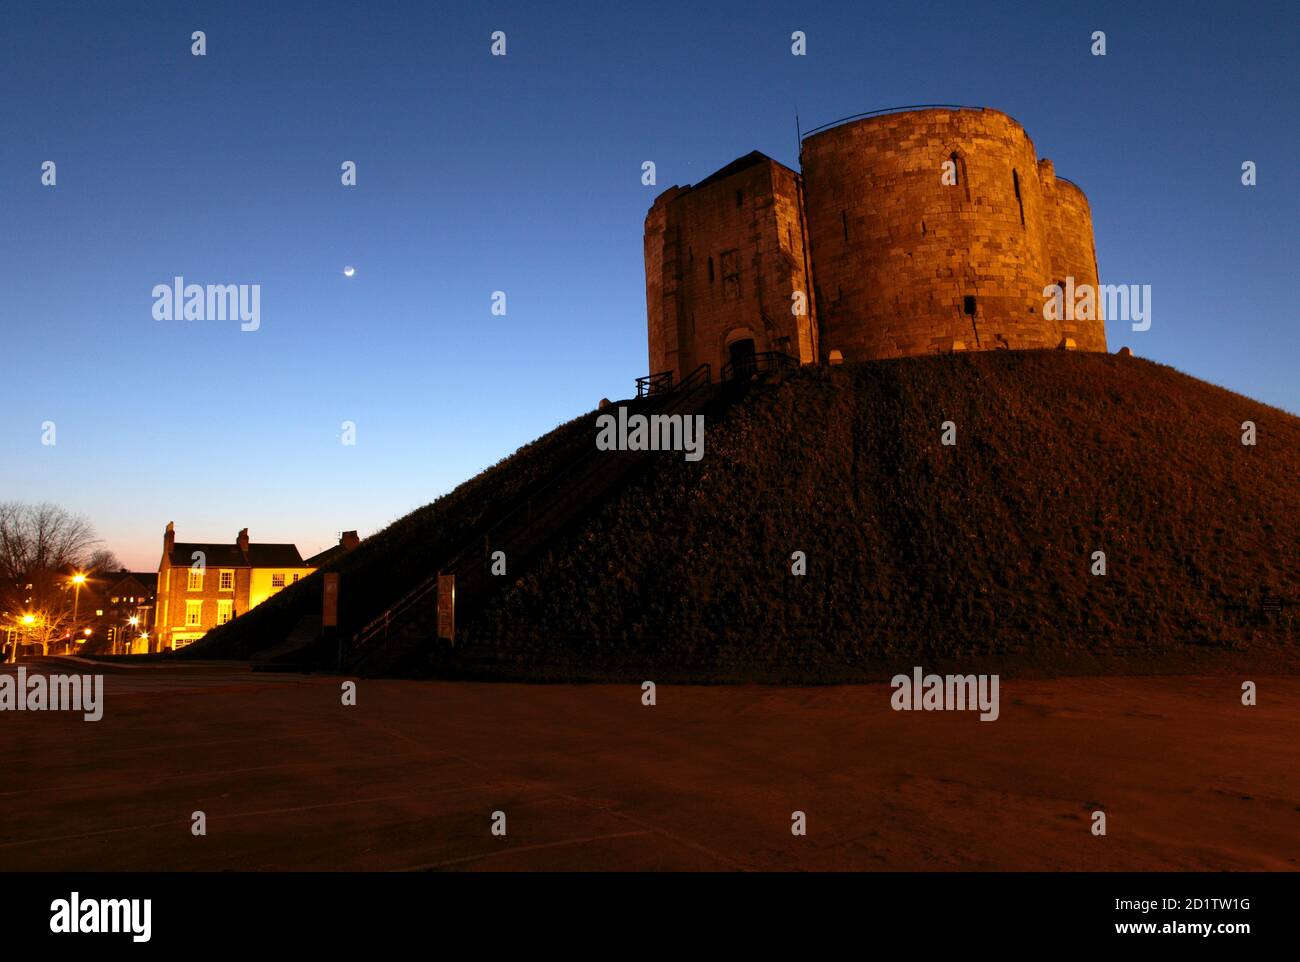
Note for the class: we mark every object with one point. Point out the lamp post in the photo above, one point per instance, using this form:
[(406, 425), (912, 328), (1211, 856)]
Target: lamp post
[(78, 580), (28, 622)]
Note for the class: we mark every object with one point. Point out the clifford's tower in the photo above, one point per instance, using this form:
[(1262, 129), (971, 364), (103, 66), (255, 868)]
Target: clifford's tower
[(909, 232)]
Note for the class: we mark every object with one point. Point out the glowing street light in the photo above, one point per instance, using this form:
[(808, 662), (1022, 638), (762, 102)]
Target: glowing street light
[(29, 620), (78, 580)]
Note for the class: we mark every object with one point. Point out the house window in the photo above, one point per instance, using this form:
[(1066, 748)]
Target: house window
[(730, 264), (193, 613), (227, 581), (277, 581), (225, 611), (195, 582), (295, 579)]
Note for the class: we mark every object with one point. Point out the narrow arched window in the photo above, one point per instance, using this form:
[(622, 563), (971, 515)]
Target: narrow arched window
[(959, 172)]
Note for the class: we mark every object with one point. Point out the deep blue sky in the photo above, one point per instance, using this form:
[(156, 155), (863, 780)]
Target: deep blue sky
[(522, 174)]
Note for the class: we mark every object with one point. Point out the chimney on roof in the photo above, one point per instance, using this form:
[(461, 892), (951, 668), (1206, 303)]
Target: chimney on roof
[(349, 540), (169, 538), (242, 540)]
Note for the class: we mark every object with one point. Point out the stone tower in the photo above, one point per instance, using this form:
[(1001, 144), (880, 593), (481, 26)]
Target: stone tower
[(906, 256), (723, 261)]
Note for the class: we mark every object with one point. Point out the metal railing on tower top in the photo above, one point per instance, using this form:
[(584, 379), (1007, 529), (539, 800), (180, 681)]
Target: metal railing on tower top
[(886, 110)]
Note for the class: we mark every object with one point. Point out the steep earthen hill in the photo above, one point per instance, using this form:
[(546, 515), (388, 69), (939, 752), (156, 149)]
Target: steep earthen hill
[(917, 553)]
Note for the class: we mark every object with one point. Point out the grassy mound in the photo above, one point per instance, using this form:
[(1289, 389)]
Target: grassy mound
[(923, 553), (916, 552)]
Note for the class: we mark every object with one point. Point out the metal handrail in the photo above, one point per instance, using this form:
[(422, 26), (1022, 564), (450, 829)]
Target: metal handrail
[(886, 110), (759, 363), (700, 377), (654, 384)]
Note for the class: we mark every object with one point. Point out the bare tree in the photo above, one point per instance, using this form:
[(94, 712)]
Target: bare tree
[(39, 544), (103, 562)]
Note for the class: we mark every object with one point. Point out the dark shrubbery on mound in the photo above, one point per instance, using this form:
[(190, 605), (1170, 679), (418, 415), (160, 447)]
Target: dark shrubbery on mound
[(917, 553), (916, 550)]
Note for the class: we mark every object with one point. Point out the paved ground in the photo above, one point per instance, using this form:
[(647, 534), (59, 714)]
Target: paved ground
[(591, 779)]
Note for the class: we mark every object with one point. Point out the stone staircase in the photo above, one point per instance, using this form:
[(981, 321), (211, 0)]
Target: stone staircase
[(522, 532)]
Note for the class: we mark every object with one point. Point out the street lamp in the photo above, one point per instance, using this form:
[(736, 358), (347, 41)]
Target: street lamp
[(28, 622), (78, 580)]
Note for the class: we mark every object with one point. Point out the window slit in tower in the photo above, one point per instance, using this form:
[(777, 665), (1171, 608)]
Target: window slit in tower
[(959, 173), (1015, 182), (710, 270), (844, 222)]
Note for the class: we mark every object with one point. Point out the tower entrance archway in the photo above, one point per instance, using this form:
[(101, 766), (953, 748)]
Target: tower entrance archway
[(740, 354)]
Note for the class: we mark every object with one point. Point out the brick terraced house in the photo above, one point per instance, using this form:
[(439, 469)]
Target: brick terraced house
[(203, 585)]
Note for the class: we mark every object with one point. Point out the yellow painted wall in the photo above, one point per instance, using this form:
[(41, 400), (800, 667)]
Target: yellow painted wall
[(260, 587)]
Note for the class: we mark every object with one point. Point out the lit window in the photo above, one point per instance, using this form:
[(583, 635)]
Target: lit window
[(193, 613), (225, 611), (195, 580), (227, 581), (295, 579), (277, 581)]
